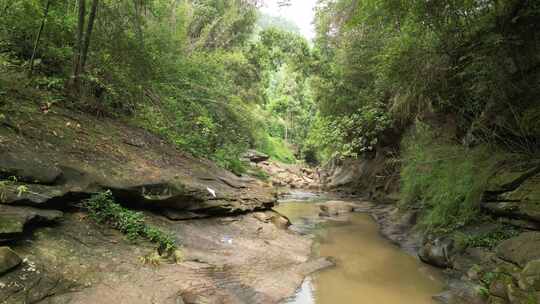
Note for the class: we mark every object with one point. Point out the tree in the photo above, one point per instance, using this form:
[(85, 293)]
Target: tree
[(38, 37), (83, 41)]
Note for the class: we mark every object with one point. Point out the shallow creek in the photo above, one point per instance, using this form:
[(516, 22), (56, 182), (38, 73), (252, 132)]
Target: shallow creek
[(369, 269)]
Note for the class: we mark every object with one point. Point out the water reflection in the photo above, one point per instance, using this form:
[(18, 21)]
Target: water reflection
[(369, 269)]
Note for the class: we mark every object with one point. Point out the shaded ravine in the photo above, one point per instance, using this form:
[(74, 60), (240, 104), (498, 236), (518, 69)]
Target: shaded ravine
[(369, 268)]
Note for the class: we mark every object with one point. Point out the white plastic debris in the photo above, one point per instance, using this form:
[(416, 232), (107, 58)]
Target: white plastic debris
[(212, 191), (227, 240)]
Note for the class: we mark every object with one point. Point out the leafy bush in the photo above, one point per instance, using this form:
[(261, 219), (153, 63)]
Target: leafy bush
[(277, 149), (349, 135), (103, 209), (444, 178)]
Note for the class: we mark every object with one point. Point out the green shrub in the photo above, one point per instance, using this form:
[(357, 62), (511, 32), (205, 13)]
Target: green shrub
[(103, 209), (348, 135), (444, 178), (277, 149)]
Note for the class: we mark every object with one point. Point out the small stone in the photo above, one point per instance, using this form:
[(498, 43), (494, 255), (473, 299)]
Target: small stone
[(498, 288), (8, 259)]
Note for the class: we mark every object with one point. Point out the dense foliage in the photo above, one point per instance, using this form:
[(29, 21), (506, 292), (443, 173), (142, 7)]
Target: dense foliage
[(216, 77), (462, 75), (200, 73)]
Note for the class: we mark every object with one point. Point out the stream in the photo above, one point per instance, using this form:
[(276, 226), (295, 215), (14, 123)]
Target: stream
[(369, 269)]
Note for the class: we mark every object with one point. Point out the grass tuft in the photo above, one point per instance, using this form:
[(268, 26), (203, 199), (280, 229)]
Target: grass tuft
[(443, 178)]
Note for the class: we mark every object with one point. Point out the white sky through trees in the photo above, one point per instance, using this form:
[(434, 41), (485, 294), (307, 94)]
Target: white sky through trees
[(300, 12)]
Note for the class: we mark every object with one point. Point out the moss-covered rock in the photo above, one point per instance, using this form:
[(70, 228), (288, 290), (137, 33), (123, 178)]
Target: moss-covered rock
[(30, 170), (530, 276), (8, 259), (14, 220), (518, 296), (521, 249)]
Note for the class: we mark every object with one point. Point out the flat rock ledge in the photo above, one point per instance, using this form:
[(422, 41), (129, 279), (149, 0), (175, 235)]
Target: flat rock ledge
[(247, 258), (14, 220)]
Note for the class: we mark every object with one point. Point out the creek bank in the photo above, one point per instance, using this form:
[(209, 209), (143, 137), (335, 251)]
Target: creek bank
[(240, 259), (236, 250), (491, 261)]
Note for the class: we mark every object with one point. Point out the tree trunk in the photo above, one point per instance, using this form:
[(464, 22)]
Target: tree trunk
[(138, 21), (88, 34), (36, 43), (79, 45)]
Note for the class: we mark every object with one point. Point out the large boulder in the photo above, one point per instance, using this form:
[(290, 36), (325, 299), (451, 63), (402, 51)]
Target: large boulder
[(8, 260), (437, 252), (521, 249), (14, 220)]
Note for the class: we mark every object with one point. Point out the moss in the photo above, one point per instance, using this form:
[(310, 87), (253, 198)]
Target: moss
[(10, 225)]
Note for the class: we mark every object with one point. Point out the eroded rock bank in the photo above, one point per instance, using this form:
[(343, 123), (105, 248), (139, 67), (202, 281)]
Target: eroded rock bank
[(484, 262), (236, 250)]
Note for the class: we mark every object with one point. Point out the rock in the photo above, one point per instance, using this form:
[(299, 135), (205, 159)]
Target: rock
[(525, 224), (518, 296), (437, 252), (461, 292), (334, 208), (30, 170), (530, 276), (273, 217), (8, 260), (38, 195), (178, 215), (255, 156), (259, 266), (498, 286), (520, 249), (496, 300), (515, 193), (523, 210), (142, 170), (14, 220)]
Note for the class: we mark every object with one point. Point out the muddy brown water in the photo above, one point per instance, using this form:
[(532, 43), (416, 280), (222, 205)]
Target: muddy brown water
[(369, 269)]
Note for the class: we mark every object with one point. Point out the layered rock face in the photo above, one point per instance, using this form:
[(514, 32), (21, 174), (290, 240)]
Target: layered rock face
[(59, 159)]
